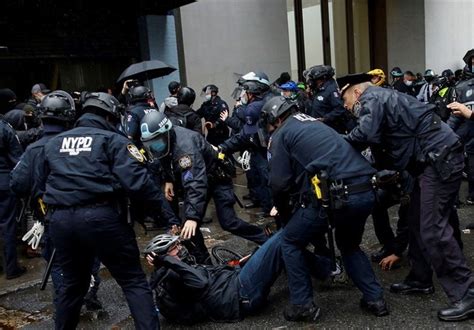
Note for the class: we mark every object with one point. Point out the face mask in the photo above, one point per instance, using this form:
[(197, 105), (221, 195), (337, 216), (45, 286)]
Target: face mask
[(243, 98), (408, 82), (208, 97)]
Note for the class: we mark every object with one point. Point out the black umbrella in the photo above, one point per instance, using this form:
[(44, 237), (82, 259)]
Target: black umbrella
[(146, 70)]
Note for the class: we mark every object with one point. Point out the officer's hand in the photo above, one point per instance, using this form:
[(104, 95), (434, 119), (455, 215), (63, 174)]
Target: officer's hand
[(214, 147), (460, 109), (273, 212), (224, 115), (189, 229), (169, 192), (388, 262)]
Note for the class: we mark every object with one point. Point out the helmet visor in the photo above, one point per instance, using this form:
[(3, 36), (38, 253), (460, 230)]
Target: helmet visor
[(159, 146)]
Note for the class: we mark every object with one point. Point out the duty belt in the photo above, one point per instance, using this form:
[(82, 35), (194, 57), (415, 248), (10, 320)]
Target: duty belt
[(348, 189)]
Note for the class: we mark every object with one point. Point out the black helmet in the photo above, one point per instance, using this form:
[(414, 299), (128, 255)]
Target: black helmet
[(58, 105), (396, 72), (186, 95), (448, 73), (276, 107), (139, 93), (155, 130), (429, 74), (104, 102), (318, 72), (210, 88), (255, 87), (173, 87), (161, 244)]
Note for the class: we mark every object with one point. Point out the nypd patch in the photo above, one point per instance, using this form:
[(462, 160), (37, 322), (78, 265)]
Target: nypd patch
[(133, 150), (185, 162)]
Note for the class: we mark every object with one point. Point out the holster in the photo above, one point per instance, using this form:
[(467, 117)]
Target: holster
[(441, 161)]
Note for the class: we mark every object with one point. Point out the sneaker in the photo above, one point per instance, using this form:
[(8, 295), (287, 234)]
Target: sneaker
[(91, 302), (296, 313)]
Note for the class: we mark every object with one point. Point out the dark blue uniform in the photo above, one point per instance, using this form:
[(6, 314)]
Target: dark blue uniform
[(87, 170), (253, 138), (327, 104), (299, 149), (202, 178), (210, 111), (414, 138), (10, 152), (136, 112)]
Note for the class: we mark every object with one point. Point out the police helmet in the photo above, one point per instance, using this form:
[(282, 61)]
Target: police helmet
[(318, 72), (396, 72), (58, 105), (173, 87), (277, 107), (139, 93), (448, 73), (155, 130), (259, 77), (105, 103), (289, 86), (186, 95), (210, 88), (429, 73), (161, 244)]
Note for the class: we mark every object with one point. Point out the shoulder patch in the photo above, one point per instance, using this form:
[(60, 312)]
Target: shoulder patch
[(187, 176), (320, 97), (133, 150), (185, 162)]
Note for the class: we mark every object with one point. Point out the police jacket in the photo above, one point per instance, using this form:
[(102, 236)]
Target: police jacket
[(463, 127), (24, 177), (326, 103), (136, 112), (190, 294), (210, 111), (10, 152), (182, 115), (237, 120), (92, 163), (302, 147), (28, 128), (405, 129)]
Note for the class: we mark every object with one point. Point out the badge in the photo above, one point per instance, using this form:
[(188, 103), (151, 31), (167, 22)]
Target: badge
[(187, 176), (133, 150), (320, 98), (185, 162), (469, 93)]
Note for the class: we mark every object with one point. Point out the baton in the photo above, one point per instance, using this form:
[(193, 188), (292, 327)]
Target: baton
[(47, 272)]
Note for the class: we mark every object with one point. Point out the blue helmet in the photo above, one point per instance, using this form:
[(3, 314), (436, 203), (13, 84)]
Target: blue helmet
[(289, 86)]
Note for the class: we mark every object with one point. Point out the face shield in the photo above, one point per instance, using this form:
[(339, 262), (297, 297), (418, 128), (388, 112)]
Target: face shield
[(237, 92), (159, 146)]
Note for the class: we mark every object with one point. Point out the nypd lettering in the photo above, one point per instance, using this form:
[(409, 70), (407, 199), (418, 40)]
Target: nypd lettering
[(75, 145), (304, 117)]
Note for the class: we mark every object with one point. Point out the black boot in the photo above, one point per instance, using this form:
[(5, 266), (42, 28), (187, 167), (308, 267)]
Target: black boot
[(377, 307), (460, 310), (409, 287), (296, 313)]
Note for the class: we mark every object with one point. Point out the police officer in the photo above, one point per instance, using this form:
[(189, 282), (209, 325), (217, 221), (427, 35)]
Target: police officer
[(201, 175), (210, 110), (182, 114), (300, 148), (139, 106), (414, 138), (10, 152), (427, 88), (86, 171), (464, 92), (325, 103), (255, 90)]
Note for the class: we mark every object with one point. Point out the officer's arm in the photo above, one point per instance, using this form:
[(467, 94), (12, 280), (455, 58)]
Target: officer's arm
[(132, 125), (191, 278), (13, 146), (194, 179), (455, 122), (280, 174), (29, 136), (369, 129), (21, 176), (237, 142), (337, 107), (234, 121), (128, 166)]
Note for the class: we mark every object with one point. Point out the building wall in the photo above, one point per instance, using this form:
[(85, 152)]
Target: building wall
[(406, 34), (449, 29), (162, 46), (225, 38)]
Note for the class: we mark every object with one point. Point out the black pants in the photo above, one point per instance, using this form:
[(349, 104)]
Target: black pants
[(433, 240)]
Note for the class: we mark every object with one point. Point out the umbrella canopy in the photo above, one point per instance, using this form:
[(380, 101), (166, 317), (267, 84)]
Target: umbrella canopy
[(146, 70)]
